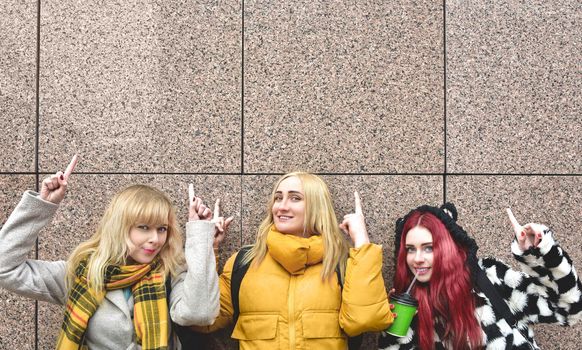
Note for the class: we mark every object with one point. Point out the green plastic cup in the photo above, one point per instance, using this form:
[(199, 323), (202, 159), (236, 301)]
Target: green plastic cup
[(405, 307)]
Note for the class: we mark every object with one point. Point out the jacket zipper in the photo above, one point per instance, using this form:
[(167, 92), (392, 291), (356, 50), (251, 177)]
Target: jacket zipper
[(291, 307)]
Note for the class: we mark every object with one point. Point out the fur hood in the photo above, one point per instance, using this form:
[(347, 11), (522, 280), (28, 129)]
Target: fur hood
[(447, 214)]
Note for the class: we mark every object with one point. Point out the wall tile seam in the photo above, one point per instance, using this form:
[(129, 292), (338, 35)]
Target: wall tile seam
[(24, 173)]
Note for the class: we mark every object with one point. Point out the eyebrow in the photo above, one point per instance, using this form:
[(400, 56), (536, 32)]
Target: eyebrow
[(422, 244), (292, 191)]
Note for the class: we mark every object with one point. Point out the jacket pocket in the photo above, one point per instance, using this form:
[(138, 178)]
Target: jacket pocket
[(256, 327), (321, 330), (321, 325)]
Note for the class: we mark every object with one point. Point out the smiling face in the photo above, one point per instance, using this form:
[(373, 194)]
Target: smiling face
[(419, 253), (145, 242), (289, 207)]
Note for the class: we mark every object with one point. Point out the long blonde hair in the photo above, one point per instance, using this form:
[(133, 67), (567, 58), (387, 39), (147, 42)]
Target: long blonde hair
[(109, 244), (319, 219)]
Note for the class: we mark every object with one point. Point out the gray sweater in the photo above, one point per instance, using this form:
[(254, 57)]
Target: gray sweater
[(195, 298)]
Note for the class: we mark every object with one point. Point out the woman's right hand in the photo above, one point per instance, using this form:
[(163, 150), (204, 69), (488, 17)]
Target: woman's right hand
[(197, 210), (354, 224), (220, 225), (53, 188), (527, 236)]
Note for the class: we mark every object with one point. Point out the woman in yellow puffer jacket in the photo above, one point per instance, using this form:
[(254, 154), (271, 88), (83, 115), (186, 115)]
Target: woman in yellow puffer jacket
[(290, 297)]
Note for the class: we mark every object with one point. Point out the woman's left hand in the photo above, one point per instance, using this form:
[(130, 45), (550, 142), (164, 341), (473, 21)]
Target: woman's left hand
[(355, 224), (392, 291), (197, 210), (528, 235)]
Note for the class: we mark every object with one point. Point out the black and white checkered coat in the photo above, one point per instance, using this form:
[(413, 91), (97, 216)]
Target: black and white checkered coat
[(547, 290)]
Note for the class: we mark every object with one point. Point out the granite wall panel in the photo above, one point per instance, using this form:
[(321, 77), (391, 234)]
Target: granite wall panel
[(514, 81), (332, 86), (86, 200), (141, 86), (384, 198), (18, 84), (551, 200), (17, 313)]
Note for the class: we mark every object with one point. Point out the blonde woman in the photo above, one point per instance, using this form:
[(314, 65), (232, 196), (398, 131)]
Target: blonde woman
[(290, 297), (113, 286)]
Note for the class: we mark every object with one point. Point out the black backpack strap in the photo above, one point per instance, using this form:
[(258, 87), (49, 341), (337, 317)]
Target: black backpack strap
[(339, 277), (189, 338), (238, 272), (168, 286)]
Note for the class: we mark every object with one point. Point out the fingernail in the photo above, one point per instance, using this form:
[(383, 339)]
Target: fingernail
[(539, 235), (62, 177), (394, 314), (522, 233)]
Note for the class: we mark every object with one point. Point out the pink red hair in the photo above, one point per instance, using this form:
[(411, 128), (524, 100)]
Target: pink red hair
[(448, 295)]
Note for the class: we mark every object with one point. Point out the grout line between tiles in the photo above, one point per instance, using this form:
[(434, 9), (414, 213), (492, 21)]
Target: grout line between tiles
[(36, 149), (317, 173), (241, 211), (445, 99), (242, 94)]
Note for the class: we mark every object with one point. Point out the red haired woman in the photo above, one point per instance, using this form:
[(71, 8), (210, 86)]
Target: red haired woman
[(470, 303)]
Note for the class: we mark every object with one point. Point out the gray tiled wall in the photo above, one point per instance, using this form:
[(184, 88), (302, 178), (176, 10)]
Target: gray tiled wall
[(409, 102)]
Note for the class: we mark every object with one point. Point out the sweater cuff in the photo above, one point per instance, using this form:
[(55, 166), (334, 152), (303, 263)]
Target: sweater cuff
[(363, 249), (200, 231), (545, 245), (32, 198)]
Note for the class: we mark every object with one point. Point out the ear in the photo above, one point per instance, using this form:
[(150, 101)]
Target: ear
[(399, 221), (450, 209), (398, 232)]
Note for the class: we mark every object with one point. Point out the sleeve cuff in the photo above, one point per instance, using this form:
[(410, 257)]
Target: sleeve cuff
[(200, 230), (543, 247)]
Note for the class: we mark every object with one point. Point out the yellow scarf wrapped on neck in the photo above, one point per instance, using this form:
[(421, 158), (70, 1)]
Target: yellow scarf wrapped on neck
[(150, 311)]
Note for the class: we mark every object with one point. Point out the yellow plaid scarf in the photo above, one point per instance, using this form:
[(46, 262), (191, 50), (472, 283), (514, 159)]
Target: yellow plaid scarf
[(150, 311)]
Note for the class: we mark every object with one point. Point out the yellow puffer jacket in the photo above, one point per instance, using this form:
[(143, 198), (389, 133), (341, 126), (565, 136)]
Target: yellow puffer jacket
[(284, 303)]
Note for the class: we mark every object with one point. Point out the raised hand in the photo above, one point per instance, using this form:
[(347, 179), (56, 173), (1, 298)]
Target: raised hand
[(221, 225), (355, 224), (528, 235), (53, 188), (197, 210)]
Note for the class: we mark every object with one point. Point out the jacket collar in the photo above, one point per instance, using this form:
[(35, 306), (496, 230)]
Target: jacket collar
[(294, 253), (117, 298)]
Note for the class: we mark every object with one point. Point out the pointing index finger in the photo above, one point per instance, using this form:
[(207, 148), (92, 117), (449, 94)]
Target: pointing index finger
[(71, 167), (358, 202), (217, 209), (190, 193), (514, 223)]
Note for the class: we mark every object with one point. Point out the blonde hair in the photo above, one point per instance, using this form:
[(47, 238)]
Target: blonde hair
[(109, 244), (319, 219)]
